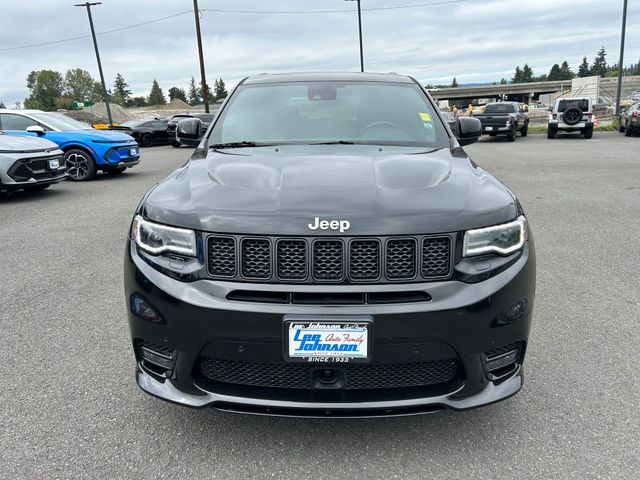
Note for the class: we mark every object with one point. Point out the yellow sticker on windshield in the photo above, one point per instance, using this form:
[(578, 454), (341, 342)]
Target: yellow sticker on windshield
[(425, 117)]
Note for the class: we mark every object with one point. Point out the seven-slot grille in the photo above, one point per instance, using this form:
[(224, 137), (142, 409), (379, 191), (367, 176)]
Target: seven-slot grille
[(329, 260)]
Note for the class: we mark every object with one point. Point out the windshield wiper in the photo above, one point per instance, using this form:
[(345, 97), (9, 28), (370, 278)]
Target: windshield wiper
[(243, 144), (337, 142)]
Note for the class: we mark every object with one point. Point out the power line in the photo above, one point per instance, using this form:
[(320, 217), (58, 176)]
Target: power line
[(302, 12), (99, 33), (217, 10)]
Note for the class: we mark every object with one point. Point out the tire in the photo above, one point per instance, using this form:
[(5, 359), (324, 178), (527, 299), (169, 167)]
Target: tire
[(511, 136), (146, 140), (116, 171), (588, 133), (551, 133), (621, 128), (80, 165), (525, 130), (37, 188), (628, 132), (175, 144), (572, 115)]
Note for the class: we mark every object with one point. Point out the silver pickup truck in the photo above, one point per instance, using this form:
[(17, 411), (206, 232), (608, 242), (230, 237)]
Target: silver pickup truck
[(29, 163)]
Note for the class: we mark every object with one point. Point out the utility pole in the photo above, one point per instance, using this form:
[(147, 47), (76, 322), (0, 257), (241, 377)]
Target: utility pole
[(203, 80), (621, 64), (95, 46), (359, 34)]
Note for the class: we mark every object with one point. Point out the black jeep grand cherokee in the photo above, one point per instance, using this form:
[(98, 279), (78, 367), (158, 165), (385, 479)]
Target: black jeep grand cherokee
[(330, 249)]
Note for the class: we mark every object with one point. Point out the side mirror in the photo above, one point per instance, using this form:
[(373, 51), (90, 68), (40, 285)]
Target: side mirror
[(189, 132), (469, 130), (37, 129)]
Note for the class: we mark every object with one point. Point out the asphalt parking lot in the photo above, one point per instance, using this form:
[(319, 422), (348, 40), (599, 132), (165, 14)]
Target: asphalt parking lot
[(71, 408)]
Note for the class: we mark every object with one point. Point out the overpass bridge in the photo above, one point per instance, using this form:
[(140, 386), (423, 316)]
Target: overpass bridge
[(511, 91), (599, 89)]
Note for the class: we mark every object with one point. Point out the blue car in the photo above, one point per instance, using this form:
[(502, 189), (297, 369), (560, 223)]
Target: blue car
[(86, 150)]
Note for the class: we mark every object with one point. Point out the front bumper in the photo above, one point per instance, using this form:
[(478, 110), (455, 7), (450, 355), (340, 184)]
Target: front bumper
[(31, 172), (120, 156), (462, 319)]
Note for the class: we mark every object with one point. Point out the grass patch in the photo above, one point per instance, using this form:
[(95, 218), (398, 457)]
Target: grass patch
[(613, 127)]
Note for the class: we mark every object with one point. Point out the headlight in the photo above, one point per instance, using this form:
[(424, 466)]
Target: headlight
[(155, 238), (502, 239)]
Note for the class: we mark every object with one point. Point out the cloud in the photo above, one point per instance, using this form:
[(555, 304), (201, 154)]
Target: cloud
[(474, 41)]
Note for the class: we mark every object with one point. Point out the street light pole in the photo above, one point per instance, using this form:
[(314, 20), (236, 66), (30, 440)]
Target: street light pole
[(95, 46), (621, 64), (203, 80), (359, 34)]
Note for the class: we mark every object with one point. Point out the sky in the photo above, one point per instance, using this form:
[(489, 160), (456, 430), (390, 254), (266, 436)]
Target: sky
[(472, 40)]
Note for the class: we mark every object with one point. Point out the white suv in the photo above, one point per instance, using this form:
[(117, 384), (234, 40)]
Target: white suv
[(571, 115)]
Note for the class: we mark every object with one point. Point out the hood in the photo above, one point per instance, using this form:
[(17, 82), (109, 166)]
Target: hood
[(17, 143), (281, 191), (104, 136)]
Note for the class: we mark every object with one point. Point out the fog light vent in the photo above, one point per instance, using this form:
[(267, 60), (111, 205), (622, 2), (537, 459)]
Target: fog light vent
[(501, 360), (158, 355)]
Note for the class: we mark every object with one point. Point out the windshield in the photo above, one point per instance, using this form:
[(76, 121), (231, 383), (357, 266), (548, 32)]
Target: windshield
[(500, 108), (175, 118), (133, 123), (205, 118), (582, 104), (60, 122), (326, 112)]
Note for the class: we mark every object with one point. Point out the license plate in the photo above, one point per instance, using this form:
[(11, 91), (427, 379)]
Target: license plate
[(54, 164), (329, 342), (133, 151), (488, 128)]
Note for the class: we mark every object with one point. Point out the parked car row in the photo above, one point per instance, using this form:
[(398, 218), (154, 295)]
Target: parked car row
[(153, 131), (566, 115), (80, 150), (85, 150)]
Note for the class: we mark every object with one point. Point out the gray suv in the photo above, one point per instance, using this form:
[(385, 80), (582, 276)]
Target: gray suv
[(29, 163), (571, 115)]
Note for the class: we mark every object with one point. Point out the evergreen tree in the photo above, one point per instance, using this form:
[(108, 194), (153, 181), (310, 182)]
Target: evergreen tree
[(554, 73), (527, 73), (220, 90), (194, 94), (454, 83), (599, 66), (177, 92), (503, 81), (2, 105), (636, 70), (96, 93), (565, 71), (78, 84), (121, 94), (517, 77), (138, 102), (583, 69), (156, 97)]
